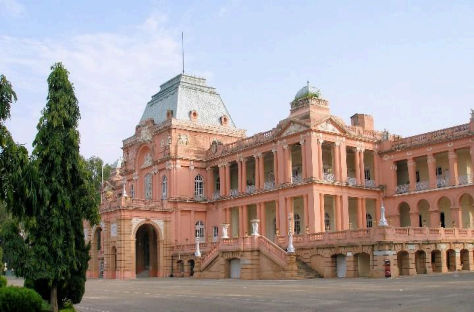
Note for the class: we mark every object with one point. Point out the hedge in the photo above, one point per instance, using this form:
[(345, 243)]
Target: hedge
[(19, 299)]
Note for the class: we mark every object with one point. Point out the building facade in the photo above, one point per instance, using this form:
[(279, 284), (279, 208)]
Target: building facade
[(193, 196)]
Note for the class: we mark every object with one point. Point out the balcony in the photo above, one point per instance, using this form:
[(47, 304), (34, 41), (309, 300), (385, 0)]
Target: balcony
[(329, 177), (422, 185), (199, 197), (370, 183), (352, 181), (234, 192), (250, 189), (216, 195), (296, 179), (269, 185), (442, 182), (464, 179), (403, 188)]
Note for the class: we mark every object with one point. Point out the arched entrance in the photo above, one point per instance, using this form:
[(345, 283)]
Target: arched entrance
[(420, 262), (97, 253), (403, 263), (363, 264), (467, 211), (451, 260), (404, 209), (465, 259), (444, 208), (146, 251), (436, 261), (424, 210)]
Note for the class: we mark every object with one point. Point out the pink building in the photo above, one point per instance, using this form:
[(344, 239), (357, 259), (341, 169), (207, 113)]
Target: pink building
[(194, 196)]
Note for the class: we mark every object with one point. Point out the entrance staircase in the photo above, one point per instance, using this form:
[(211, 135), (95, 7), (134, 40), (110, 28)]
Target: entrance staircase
[(305, 271)]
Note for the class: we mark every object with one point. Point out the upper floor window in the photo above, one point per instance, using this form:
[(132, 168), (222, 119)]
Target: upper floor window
[(148, 186), (164, 187), (198, 186), (367, 174), (368, 218), (218, 184), (327, 223), (200, 230), (215, 233), (297, 224), (132, 191)]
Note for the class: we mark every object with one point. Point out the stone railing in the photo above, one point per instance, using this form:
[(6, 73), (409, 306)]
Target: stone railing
[(144, 204), (422, 185), (352, 181), (269, 185), (296, 179), (329, 177), (234, 192), (216, 195), (250, 189), (431, 137), (377, 234), (442, 182), (402, 188), (464, 179), (272, 250), (209, 256), (370, 183), (200, 197), (250, 141)]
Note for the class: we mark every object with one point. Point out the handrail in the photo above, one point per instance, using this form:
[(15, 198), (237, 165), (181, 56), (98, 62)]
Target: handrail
[(272, 250)]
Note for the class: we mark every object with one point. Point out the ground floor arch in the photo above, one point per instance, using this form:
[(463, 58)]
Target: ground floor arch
[(420, 262), (465, 261), (146, 251), (363, 264), (451, 259), (403, 263), (436, 262), (404, 210)]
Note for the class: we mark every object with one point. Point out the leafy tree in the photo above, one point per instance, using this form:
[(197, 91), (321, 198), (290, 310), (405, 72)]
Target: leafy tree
[(51, 194), (94, 165)]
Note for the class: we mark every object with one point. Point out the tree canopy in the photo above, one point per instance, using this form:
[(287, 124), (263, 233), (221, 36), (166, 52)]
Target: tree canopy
[(50, 193)]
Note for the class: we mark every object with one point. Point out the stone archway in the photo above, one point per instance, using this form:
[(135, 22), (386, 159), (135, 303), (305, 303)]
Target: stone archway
[(113, 262), (403, 263), (96, 252), (404, 210), (363, 264), (436, 262), (420, 262), (146, 251), (467, 211), (465, 264), (451, 260)]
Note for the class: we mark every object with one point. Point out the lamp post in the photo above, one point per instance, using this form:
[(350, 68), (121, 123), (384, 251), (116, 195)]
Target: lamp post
[(290, 248)]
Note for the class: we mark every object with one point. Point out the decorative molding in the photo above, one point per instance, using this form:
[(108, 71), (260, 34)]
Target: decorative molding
[(135, 222), (409, 153), (161, 226), (102, 225), (285, 146), (450, 144), (393, 167), (430, 159), (135, 176), (145, 134), (191, 165), (386, 157), (113, 229), (183, 139), (328, 126), (155, 170), (429, 149), (148, 161)]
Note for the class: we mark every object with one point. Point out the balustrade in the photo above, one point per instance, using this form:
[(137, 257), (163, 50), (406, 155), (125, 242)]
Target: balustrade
[(216, 195), (370, 183), (296, 179), (269, 185), (329, 177), (422, 185), (351, 181), (250, 189), (442, 182), (402, 188), (464, 179), (234, 192)]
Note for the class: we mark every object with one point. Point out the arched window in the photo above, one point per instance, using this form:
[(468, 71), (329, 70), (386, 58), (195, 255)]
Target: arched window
[(164, 187), (132, 191), (327, 224), (297, 224), (368, 219), (148, 186), (198, 187), (218, 184), (200, 230)]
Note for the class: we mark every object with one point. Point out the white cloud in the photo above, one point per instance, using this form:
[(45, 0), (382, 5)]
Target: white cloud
[(114, 75), (11, 7), (228, 7)]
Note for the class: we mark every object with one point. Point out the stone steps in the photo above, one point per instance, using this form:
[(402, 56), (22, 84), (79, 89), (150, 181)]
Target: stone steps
[(305, 271)]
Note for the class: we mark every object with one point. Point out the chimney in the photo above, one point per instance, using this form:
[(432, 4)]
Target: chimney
[(366, 122)]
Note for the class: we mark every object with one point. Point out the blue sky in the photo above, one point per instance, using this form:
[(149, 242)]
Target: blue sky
[(409, 64)]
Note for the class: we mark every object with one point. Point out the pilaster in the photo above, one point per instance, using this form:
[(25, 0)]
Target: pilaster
[(412, 174), (453, 167), (431, 170)]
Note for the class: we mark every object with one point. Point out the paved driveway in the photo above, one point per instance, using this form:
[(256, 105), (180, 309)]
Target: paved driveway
[(433, 293)]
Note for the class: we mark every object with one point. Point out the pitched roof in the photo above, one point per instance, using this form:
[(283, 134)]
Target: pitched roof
[(183, 94)]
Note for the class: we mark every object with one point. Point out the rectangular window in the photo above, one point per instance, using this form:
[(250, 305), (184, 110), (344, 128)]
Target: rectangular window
[(367, 174), (439, 171), (215, 233)]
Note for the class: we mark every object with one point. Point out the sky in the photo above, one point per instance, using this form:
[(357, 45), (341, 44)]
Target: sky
[(409, 64)]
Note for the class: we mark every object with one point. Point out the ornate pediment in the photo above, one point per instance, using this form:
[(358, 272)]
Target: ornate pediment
[(330, 125), (293, 127)]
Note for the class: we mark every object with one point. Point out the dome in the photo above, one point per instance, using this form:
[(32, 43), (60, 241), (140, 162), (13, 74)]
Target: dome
[(306, 91)]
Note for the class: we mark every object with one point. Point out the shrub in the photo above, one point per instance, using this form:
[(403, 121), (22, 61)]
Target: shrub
[(19, 299), (3, 281), (72, 290)]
